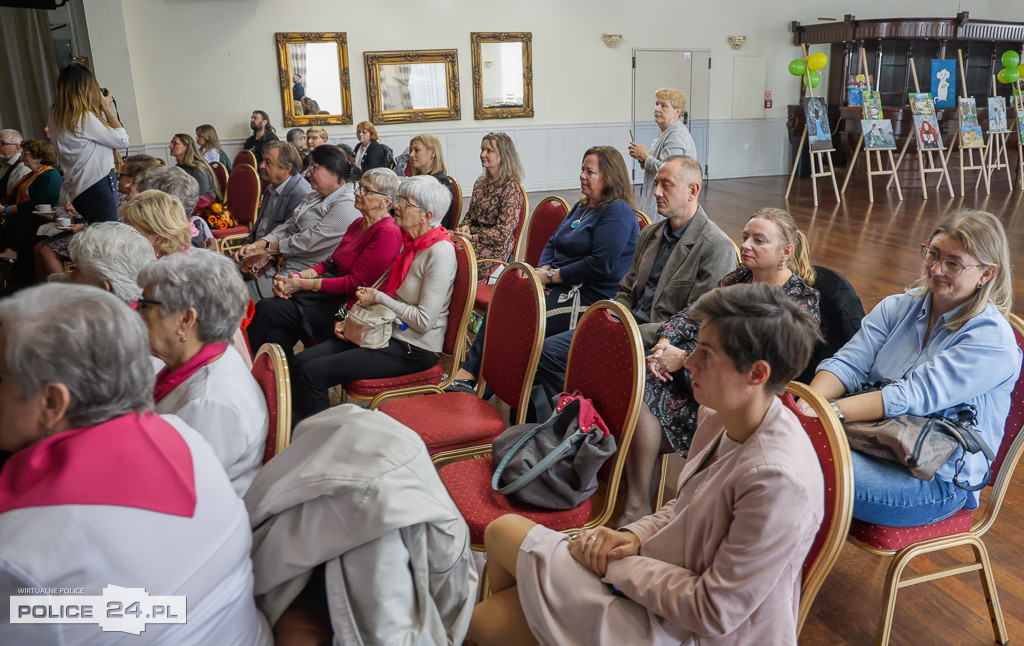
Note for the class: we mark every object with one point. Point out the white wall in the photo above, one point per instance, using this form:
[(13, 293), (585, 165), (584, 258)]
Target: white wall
[(199, 61)]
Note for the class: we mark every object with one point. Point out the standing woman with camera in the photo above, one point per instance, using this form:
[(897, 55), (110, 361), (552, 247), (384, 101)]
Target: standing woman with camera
[(86, 134)]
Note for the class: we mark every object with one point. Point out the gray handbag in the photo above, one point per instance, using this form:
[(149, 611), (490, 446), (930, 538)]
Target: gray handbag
[(368, 327)]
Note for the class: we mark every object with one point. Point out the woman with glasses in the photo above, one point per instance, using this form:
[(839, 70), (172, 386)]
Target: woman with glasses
[(418, 290), (497, 202), (308, 300), (946, 346)]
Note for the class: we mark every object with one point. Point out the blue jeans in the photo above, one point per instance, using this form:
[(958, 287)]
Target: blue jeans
[(884, 493), (98, 203)]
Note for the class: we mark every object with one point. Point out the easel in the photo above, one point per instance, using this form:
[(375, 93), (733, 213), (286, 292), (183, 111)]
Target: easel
[(817, 163), (997, 149), (878, 154), (930, 152), (1018, 104), (970, 164)]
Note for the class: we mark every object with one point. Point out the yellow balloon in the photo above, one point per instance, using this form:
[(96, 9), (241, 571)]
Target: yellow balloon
[(817, 61)]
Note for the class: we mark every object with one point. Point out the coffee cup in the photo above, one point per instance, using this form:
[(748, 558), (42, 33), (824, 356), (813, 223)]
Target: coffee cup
[(44, 208), (63, 222)]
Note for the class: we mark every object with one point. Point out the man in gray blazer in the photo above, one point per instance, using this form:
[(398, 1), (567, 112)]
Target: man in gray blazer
[(285, 188), (676, 261)]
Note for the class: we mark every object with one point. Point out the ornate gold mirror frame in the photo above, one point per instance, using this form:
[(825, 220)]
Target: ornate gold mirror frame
[(321, 58), (498, 92), (413, 86)]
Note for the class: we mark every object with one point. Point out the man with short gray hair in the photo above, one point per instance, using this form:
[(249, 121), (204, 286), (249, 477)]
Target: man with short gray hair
[(285, 188), (12, 168)]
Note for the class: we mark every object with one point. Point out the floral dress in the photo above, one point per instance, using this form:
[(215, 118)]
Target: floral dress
[(492, 217), (672, 401)]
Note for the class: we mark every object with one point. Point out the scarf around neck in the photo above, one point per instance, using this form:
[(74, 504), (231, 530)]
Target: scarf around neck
[(410, 247), (167, 380)]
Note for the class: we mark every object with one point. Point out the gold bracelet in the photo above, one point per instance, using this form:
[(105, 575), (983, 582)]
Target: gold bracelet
[(316, 284)]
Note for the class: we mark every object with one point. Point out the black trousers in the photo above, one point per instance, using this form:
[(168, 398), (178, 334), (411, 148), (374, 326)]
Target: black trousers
[(286, 322)]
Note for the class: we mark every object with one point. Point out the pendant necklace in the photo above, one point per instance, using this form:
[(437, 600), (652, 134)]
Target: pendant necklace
[(575, 223)]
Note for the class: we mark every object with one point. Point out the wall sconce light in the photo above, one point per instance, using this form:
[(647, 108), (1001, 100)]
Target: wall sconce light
[(611, 41), (736, 42)]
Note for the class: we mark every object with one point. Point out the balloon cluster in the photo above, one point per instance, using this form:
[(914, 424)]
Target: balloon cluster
[(1012, 68), (809, 68)]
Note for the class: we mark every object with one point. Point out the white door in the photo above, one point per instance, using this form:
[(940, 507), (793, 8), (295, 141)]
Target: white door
[(688, 70)]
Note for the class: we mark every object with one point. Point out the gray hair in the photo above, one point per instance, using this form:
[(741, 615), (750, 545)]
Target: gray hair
[(385, 180), (429, 193), (87, 340), (204, 280), (173, 181), (114, 252), (294, 135), (13, 134)]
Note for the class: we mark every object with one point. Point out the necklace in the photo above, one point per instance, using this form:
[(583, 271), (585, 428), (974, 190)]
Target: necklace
[(575, 223)]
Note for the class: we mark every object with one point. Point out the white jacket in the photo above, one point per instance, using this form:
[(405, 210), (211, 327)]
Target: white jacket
[(357, 490)]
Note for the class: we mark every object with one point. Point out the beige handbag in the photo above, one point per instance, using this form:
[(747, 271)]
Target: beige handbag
[(368, 327)]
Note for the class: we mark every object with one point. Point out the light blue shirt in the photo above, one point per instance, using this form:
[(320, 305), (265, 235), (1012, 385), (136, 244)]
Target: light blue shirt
[(977, 365)]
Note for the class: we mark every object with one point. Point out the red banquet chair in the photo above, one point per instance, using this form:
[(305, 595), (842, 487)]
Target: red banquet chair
[(964, 528), (245, 158), (455, 210), (511, 351), (459, 309), (642, 219), (539, 228), (270, 369), (606, 365), (243, 200), (220, 177)]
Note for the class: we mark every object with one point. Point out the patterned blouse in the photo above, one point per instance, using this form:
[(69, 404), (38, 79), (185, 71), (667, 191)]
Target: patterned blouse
[(492, 218)]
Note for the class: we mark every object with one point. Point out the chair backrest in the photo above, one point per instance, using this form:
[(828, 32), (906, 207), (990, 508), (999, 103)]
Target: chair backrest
[(516, 322), (518, 248), (642, 219), (455, 210), (270, 369), (739, 255), (829, 440), (841, 316), (243, 195), (220, 176), (463, 296), (606, 365), (244, 158), (543, 224)]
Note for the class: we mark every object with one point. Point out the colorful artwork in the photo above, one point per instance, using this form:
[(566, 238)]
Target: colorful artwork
[(943, 84), (872, 101), (818, 132), (921, 103), (878, 134), (927, 129), (968, 109), (997, 114), (1020, 129), (854, 85), (971, 137)]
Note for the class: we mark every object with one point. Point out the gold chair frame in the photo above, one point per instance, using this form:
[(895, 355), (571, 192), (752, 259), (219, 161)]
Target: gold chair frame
[(284, 394), (232, 243), (457, 196)]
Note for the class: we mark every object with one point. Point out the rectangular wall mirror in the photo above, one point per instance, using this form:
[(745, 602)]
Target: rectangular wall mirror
[(313, 71), (412, 86), (502, 75)]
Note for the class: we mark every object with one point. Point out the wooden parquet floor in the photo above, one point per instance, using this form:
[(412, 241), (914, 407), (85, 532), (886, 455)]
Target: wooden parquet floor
[(876, 247)]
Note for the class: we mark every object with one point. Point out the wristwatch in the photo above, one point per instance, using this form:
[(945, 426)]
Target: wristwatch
[(551, 274)]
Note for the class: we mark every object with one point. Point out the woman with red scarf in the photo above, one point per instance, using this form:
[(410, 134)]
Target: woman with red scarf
[(418, 289)]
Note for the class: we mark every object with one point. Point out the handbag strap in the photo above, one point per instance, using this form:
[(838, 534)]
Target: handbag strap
[(564, 447)]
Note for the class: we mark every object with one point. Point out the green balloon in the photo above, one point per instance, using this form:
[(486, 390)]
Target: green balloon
[(1010, 59), (797, 67), (1009, 75), (815, 78)]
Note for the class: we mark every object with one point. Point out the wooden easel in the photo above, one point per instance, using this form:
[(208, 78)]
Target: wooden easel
[(997, 157), (881, 170), (930, 152), (969, 164), (817, 161), (1018, 104)]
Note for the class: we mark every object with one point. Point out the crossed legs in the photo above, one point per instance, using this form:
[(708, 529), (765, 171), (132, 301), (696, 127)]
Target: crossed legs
[(500, 619)]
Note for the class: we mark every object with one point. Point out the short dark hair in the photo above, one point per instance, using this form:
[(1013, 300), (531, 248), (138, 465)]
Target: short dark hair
[(41, 150), (760, 322), (333, 159), (286, 155)]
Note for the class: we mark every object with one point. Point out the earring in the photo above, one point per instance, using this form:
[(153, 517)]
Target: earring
[(183, 338), (980, 285)]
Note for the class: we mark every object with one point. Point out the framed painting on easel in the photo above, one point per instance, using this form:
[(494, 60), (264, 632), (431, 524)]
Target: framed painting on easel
[(819, 134)]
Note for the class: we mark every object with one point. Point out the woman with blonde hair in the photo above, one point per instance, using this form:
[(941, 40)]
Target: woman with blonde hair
[(497, 202), (675, 139), (774, 251), (183, 149), (209, 144), (160, 218), (426, 157), (86, 135)]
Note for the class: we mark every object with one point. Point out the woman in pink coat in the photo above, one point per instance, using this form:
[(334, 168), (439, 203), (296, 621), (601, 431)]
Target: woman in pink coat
[(719, 564)]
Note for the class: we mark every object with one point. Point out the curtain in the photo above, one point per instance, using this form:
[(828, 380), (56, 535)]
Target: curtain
[(297, 59), (28, 60)]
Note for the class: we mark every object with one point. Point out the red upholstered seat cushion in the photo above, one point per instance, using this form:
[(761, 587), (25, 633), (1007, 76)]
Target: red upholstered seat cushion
[(372, 387), (447, 420), (896, 538), (469, 484), (220, 234), (483, 297)]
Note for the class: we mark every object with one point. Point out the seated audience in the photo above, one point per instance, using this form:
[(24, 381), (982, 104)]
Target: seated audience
[(497, 203), (315, 227), (21, 218), (160, 218), (674, 139), (310, 106), (588, 254), (418, 290), (209, 145), (720, 562), (190, 160), (179, 184), (110, 255), (192, 304), (426, 157), (315, 136), (774, 251), (131, 172), (946, 347), (307, 301), (99, 490), (280, 171), (12, 168), (262, 134), (369, 153)]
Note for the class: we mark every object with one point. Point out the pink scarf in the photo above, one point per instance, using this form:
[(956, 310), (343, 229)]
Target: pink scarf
[(410, 246), (135, 460), (167, 380)]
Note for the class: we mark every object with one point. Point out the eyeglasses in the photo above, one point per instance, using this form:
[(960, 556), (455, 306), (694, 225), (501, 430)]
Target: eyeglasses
[(7, 143), (143, 303), (363, 190), (950, 268), (402, 203)]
